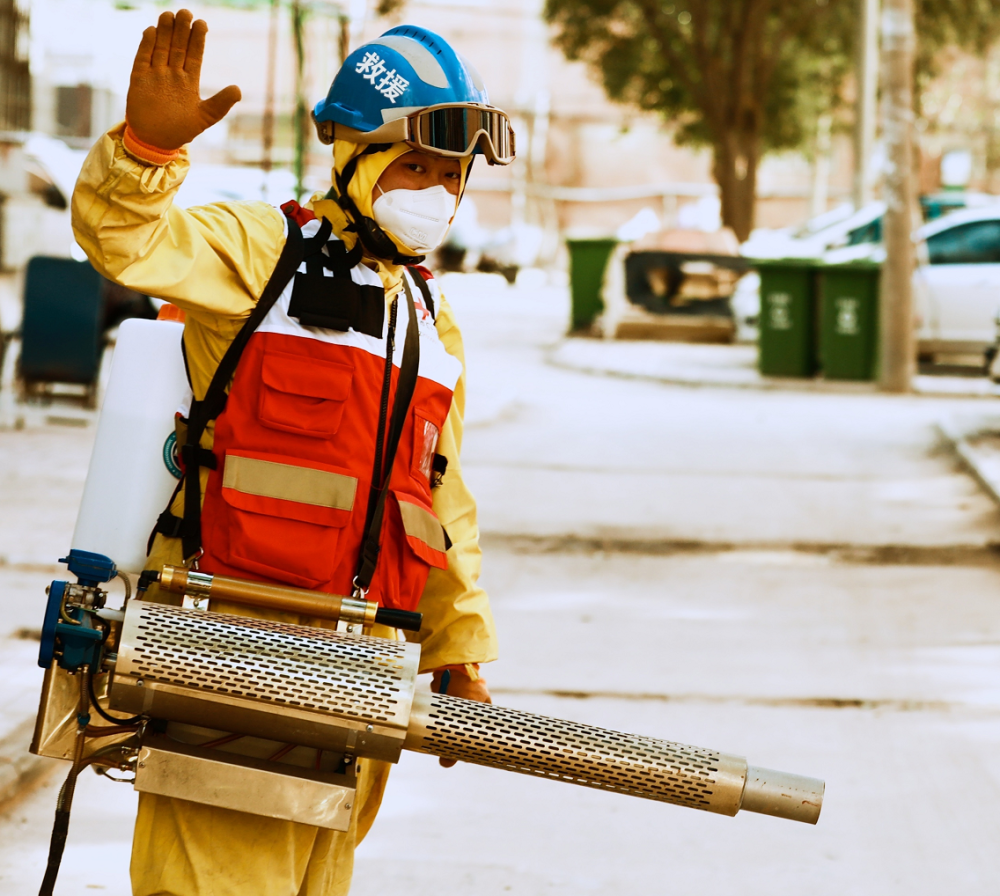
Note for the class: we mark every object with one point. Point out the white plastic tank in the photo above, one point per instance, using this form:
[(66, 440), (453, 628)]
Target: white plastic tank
[(132, 471)]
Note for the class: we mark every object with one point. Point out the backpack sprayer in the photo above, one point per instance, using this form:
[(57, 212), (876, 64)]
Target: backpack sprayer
[(270, 718)]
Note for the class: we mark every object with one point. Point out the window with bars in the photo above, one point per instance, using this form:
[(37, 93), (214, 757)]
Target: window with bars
[(15, 75)]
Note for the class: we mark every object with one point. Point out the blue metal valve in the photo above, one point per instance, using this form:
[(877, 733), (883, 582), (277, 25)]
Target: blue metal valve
[(78, 643)]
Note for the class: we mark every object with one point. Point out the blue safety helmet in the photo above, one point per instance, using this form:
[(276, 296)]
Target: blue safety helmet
[(408, 68), (408, 86)]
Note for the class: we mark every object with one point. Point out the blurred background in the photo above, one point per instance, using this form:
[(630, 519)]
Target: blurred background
[(731, 336), (633, 121)]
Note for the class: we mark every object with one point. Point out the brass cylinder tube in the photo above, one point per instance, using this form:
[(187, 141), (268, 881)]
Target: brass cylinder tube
[(257, 594)]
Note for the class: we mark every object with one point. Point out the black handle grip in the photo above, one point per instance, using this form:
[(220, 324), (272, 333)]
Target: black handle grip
[(399, 619)]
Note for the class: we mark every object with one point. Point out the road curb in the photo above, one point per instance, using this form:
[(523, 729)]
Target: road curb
[(973, 460), (18, 767), (923, 386)]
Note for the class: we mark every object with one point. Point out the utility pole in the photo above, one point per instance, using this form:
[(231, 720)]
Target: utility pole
[(267, 135), (896, 314), (867, 89), (300, 120)]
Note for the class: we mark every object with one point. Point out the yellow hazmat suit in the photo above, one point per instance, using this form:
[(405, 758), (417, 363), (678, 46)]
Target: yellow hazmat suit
[(214, 262)]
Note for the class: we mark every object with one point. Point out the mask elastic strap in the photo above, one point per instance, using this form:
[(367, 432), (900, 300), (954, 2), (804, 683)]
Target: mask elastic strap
[(373, 237)]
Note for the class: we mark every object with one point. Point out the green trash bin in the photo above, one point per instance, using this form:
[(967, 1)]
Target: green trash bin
[(848, 332), (587, 261), (787, 322)]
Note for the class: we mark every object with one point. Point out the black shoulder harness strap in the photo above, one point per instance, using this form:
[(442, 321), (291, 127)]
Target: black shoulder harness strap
[(296, 248), (425, 290), (405, 385)]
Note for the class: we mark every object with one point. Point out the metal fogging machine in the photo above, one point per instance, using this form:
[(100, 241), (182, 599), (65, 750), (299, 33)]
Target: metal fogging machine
[(254, 696)]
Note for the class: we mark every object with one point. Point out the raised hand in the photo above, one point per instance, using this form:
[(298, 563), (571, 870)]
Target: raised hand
[(164, 107)]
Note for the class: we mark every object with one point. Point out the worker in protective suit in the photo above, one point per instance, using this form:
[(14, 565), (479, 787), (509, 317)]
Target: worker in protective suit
[(321, 446)]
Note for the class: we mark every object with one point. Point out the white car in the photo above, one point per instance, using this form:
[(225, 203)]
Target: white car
[(957, 282)]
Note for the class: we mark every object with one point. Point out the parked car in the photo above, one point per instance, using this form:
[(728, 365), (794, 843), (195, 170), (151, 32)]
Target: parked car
[(841, 226), (957, 282)]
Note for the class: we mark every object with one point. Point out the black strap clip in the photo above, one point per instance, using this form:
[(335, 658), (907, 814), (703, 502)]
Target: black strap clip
[(196, 456), (438, 469)]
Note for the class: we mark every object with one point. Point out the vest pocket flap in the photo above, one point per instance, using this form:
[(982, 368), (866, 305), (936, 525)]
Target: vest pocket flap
[(309, 377), (424, 532), (283, 487)]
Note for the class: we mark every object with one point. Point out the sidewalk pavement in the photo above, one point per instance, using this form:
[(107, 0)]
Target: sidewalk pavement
[(731, 366)]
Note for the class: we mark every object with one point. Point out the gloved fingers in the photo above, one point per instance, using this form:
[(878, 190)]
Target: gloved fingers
[(144, 55), (196, 48), (215, 108), (179, 38), (164, 33), (455, 683)]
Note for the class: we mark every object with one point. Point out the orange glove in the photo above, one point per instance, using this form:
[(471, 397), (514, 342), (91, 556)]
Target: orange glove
[(164, 109), (455, 681)]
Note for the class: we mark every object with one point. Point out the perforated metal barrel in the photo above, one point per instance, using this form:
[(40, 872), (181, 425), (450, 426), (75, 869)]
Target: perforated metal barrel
[(607, 760), (347, 693), (296, 684)]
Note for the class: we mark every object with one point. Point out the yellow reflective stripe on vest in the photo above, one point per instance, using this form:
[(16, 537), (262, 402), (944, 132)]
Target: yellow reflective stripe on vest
[(419, 523), (289, 483)]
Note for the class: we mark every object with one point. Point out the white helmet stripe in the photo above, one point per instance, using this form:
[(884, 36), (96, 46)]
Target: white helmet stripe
[(424, 64)]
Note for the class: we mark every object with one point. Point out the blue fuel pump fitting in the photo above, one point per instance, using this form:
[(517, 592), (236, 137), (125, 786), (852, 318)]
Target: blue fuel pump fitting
[(69, 634)]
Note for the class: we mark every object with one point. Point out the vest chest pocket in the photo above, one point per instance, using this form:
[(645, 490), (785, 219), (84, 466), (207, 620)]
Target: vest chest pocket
[(283, 520), (303, 395)]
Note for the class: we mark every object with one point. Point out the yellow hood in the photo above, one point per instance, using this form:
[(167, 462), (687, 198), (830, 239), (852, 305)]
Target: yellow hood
[(361, 189)]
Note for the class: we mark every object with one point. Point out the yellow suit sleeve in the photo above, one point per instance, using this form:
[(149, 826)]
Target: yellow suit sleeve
[(458, 626), (213, 261)]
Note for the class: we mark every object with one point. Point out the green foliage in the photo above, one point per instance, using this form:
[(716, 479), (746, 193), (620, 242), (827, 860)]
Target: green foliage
[(971, 24), (711, 67), (707, 64)]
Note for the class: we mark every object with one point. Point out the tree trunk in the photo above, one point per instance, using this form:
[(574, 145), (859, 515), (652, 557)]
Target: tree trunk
[(735, 171)]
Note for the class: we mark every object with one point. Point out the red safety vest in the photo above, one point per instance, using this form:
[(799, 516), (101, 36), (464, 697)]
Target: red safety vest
[(295, 448)]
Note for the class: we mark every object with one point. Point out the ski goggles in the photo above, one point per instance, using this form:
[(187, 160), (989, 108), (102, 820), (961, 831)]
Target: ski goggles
[(451, 130)]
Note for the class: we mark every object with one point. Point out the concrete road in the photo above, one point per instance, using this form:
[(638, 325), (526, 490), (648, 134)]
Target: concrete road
[(805, 580)]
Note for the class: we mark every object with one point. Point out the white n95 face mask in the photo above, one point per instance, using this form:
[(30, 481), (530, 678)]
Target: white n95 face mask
[(418, 218)]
